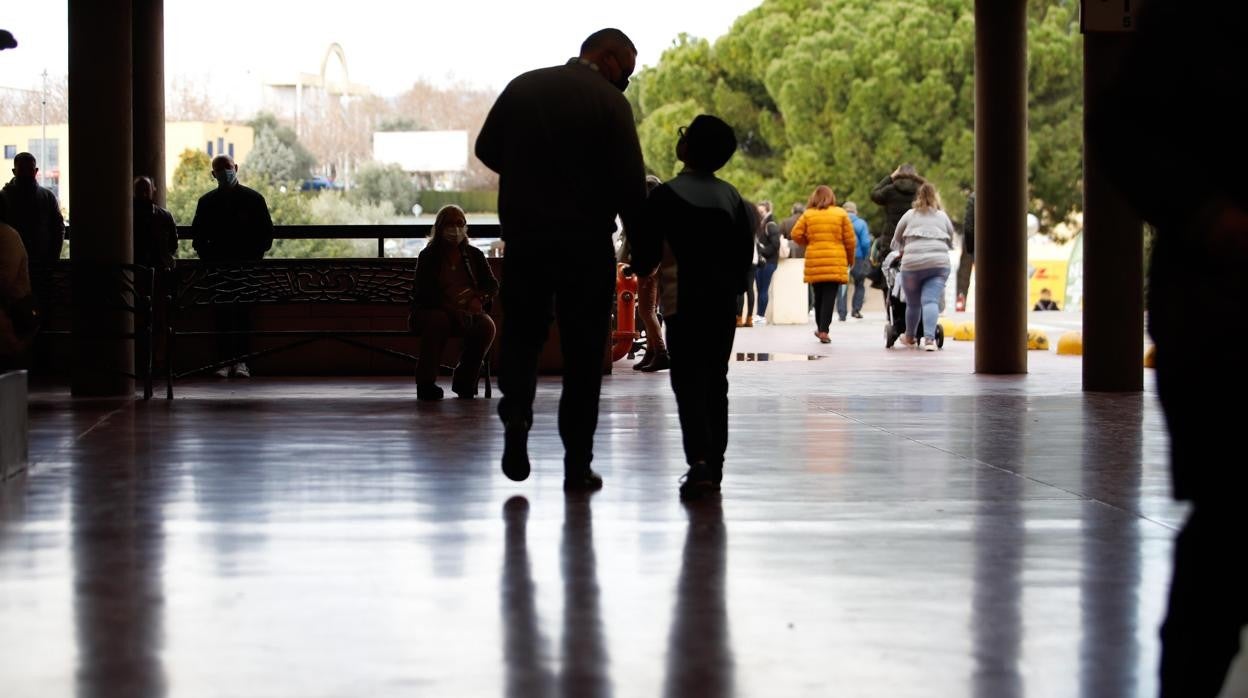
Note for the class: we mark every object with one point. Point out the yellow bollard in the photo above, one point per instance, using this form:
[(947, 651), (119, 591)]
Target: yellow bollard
[(1071, 344), (1037, 340)]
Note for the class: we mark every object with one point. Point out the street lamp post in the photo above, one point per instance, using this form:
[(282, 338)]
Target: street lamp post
[(43, 126)]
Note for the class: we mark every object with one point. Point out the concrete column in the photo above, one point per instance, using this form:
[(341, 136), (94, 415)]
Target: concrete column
[(101, 151), (1113, 248), (149, 92), (1000, 186)]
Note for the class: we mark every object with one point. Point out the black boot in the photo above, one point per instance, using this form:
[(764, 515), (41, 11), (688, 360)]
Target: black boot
[(428, 392), (516, 450), (701, 481), (645, 361), (661, 362), (581, 479)]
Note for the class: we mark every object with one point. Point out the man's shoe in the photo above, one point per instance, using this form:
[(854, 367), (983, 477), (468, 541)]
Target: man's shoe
[(857, 316), (428, 392), (241, 370), (581, 480), (516, 450), (645, 361), (463, 389), (661, 362), (701, 481)]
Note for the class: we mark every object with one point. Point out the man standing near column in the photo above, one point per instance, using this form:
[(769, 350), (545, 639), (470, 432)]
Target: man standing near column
[(564, 133), (232, 224), (33, 211)]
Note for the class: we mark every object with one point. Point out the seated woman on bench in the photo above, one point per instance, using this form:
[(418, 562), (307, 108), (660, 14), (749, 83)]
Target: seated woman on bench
[(453, 284)]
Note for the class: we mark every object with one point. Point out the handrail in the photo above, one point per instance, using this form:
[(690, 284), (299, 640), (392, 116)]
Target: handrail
[(380, 233)]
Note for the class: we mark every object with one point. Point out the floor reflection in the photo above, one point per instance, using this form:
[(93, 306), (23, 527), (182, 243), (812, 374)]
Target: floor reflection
[(699, 649), (525, 654), (584, 668), (585, 663), (118, 554), (999, 534), (1110, 584)]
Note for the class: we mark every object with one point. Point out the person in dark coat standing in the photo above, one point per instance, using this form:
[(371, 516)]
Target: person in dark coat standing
[(967, 262), (34, 212), (568, 129), (895, 194), (453, 285), (232, 224), (155, 231), (1199, 211), (155, 247)]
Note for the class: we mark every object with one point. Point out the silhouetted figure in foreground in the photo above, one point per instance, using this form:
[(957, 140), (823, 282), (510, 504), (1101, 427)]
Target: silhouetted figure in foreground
[(453, 284), (232, 224), (566, 130), (1159, 152), (17, 305), (710, 229)]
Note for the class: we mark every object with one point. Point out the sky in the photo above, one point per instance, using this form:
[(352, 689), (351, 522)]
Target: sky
[(231, 46)]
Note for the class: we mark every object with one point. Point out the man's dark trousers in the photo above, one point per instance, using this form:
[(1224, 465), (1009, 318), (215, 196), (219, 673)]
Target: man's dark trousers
[(570, 279)]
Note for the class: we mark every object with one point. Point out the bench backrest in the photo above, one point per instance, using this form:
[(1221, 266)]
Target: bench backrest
[(297, 281)]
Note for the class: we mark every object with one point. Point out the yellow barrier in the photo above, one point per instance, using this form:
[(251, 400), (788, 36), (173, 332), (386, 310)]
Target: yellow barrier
[(1037, 340), (1071, 344)]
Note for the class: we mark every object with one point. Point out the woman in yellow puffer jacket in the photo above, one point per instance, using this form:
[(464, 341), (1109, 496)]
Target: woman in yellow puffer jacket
[(828, 234)]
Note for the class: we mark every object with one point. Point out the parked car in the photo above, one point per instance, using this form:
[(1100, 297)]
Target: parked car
[(318, 183)]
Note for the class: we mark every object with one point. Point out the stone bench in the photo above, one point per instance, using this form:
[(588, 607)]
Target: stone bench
[(13, 424)]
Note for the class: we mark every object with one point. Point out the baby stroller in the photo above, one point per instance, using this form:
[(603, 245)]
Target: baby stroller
[(895, 308)]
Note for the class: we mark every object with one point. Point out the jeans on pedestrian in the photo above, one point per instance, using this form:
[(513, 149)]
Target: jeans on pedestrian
[(763, 278), (924, 289)]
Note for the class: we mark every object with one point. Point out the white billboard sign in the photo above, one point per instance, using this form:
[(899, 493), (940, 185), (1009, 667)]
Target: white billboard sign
[(423, 151)]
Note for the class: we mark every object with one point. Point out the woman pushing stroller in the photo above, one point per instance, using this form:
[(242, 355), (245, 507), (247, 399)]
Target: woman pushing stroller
[(924, 238)]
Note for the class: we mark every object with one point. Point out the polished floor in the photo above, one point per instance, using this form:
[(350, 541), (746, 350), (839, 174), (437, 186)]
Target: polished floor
[(890, 525)]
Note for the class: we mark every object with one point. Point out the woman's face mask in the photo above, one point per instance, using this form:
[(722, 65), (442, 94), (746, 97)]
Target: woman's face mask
[(455, 234)]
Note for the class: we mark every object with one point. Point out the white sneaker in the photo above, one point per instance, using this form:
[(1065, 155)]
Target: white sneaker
[(241, 371), (929, 344), (223, 372)]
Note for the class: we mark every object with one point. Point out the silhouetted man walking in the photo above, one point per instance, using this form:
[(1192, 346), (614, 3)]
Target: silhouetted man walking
[(564, 144)]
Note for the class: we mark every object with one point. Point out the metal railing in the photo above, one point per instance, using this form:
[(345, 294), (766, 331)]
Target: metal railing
[(380, 233)]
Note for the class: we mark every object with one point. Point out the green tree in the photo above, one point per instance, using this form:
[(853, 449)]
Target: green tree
[(266, 123), (376, 183), (192, 178), (840, 92), (272, 160), (398, 123)]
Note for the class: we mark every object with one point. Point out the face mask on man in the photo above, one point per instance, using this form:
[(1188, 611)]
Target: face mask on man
[(455, 234), (227, 178)]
